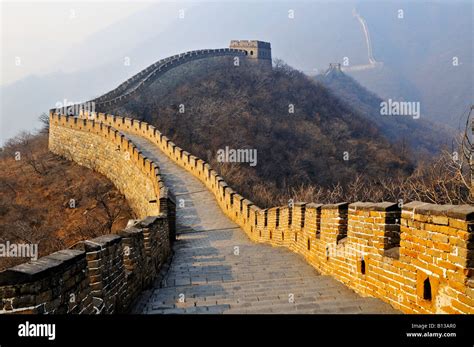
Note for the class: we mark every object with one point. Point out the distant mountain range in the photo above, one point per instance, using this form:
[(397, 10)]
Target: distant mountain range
[(420, 137), (417, 51), (427, 55)]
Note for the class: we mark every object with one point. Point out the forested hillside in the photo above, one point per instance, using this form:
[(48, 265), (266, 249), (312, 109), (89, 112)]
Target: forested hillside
[(303, 134)]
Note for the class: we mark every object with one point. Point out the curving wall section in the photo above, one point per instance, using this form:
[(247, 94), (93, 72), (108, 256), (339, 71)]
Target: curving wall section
[(418, 257), (108, 273), (148, 75), (103, 149)]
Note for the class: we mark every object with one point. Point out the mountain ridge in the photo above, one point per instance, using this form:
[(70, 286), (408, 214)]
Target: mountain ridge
[(428, 138)]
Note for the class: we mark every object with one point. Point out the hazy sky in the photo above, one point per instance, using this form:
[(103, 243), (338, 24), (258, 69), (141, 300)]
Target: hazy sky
[(70, 50), (35, 35)]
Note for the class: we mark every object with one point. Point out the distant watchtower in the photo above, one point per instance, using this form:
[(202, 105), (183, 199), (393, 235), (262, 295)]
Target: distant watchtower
[(258, 50)]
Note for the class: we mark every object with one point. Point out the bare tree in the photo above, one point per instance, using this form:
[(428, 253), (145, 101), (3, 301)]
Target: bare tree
[(467, 148), (102, 195), (44, 119)]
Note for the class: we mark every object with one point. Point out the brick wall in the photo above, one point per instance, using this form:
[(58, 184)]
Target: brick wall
[(57, 283), (418, 258), (105, 150), (102, 275), (106, 271), (105, 274)]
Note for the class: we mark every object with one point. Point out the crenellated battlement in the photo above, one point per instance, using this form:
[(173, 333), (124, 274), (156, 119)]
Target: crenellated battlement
[(99, 276), (417, 257), (101, 147), (105, 274), (249, 43), (254, 49)]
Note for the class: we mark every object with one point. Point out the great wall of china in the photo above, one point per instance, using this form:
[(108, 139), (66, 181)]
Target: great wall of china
[(417, 257)]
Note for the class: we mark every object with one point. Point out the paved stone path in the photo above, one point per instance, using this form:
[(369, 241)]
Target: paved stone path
[(217, 269)]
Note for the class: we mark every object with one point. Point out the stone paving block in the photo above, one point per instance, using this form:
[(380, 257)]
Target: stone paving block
[(198, 280), (182, 281), (218, 309), (216, 281), (175, 311)]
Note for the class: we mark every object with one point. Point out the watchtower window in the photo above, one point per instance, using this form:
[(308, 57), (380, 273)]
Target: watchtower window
[(362, 267), (251, 52), (427, 289)]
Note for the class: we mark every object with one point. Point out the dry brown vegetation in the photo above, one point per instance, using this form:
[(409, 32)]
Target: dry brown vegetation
[(300, 156), (441, 180), (248, 107), (52, 202)]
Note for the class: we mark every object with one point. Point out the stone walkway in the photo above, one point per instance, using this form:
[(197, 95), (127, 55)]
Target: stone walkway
[(217, 269)]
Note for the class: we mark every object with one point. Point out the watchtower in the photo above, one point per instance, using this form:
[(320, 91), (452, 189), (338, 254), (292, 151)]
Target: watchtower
[(254, 49)]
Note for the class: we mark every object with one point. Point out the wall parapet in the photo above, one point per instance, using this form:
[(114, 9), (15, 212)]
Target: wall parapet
[(47, 285), (103, 275), (146, 76), (104, 149), (418, 257)]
